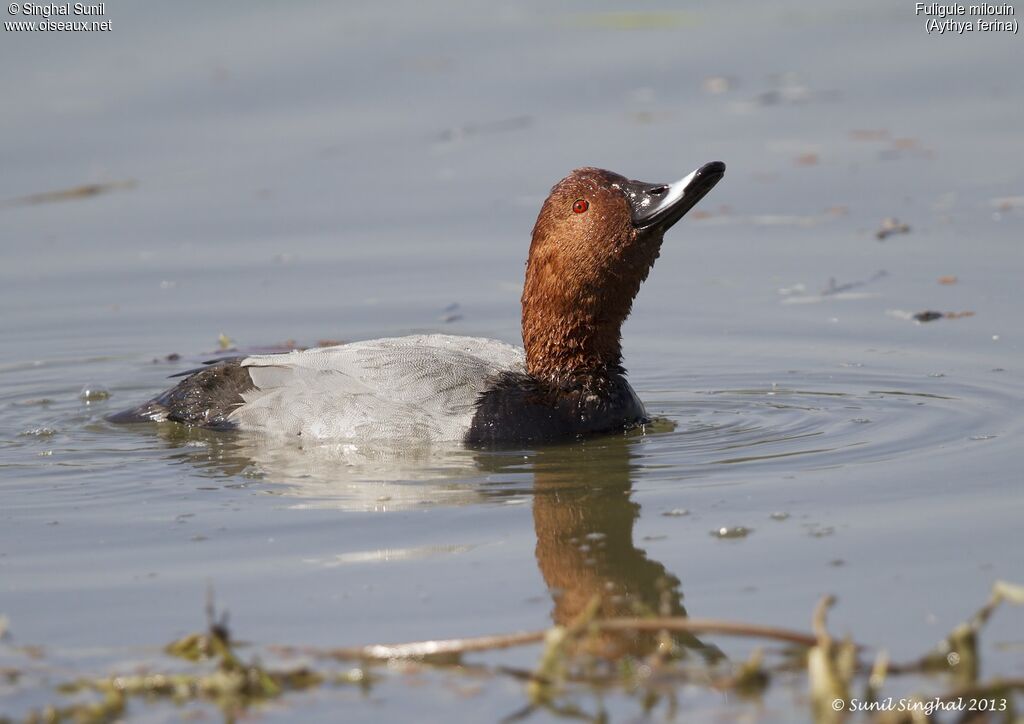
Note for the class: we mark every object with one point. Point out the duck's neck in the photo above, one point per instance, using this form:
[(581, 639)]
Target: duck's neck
[(572, 350), (565, 341), (576, 296)]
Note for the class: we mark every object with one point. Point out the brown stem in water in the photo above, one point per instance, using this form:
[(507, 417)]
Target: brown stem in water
[(454, 647)]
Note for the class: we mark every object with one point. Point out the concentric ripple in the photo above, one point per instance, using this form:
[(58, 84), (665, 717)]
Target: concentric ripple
[(809, 420), (705, 425)]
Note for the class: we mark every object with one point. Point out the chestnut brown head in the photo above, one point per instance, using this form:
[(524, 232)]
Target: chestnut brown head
[(596, 238)]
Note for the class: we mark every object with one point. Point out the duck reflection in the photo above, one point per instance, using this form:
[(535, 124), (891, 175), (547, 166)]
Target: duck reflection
[(341, 476), (583, 511), (584, 517)]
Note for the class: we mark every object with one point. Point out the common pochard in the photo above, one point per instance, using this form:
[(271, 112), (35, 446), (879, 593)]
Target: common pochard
[(595, 240)]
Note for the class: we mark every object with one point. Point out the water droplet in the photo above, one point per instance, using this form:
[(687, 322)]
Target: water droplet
[(94, 393)]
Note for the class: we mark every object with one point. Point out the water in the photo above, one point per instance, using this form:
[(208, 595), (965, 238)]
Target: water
[(343, 173)]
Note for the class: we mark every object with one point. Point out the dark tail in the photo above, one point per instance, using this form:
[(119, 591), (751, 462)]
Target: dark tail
[(204, 398), (151, 411)]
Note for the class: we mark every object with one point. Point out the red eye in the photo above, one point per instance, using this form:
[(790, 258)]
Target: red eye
[(580, 205)]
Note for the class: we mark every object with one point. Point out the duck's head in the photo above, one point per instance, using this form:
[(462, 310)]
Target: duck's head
[(594, 243)]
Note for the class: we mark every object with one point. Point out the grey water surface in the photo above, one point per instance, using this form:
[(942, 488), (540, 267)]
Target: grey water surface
[(283, 174)]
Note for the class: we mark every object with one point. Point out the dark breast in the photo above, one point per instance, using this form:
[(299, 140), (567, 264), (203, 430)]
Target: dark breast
[(521, 409)]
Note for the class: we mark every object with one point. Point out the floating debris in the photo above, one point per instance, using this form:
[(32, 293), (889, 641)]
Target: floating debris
[(948, 279), (676, 513), (806, 159), (1004, 204), (73, 194), (718, 84), (779, 515), (928, 315), (736, 531), (224, 342), (40, 401), (172, 357), (891, 226)]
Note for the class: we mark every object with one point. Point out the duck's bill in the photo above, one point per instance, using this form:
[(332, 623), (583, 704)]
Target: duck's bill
[(661, 205)]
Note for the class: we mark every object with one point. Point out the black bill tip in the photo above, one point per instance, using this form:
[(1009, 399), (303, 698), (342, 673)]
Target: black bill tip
[(662, 205)]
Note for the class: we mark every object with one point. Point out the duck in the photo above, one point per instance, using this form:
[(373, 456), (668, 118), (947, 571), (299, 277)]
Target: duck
[(594, 243)]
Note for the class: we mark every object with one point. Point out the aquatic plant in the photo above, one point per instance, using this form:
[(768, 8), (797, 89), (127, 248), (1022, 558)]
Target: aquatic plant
[(573, 673)]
